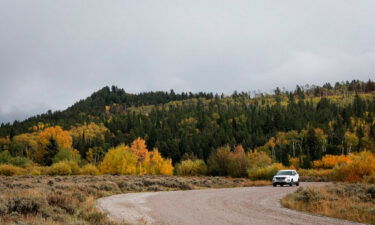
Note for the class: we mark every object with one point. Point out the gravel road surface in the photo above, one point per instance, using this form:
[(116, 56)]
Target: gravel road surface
[(251, 205)]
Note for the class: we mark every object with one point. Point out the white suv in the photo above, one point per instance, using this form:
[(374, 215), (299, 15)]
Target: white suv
[(286, 177)]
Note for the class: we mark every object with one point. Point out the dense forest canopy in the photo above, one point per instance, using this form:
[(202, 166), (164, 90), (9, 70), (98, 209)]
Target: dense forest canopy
[(308, 122)]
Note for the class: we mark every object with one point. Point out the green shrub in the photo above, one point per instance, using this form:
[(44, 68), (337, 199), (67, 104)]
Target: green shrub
[(218, 161), (25, 204), (6, 158), (264, 173), (10, 170), (20, 161), (60, 168), (89, 169), (67, 154), (191, 168)]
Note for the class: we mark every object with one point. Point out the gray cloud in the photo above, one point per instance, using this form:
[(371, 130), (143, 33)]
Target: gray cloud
[(53, 53)]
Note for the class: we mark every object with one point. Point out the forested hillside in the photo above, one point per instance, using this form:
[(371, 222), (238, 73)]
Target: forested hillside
[(308, 122)]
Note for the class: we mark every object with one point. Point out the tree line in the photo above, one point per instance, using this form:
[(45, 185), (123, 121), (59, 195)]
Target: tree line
[(306, 123)]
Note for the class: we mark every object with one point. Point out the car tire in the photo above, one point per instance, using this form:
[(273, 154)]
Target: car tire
[(291, 183), (297, 184), (274, 185)]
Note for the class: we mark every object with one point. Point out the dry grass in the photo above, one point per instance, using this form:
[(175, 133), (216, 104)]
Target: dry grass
[(315, 175), (70, 200), (355, 202)]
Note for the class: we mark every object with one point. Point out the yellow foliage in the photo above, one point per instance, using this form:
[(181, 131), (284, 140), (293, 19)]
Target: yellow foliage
[(294, 162), (10, 170), (264, 173), (259, 159), (191, 168), (119, 160), (271, 142), (158, 165), (350, 140), (73, 167), (90, 155), (89, 169), (28, 142), (166, 167), (135, 160), (39, 126), (35, 170), (91, 132), (63, 138), (60, 168)]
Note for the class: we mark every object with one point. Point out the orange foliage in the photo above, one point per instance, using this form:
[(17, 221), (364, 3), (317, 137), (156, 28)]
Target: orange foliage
[(361, 165), (294, 162), (139, 147), (330, 161), (4, 141), (63, 138)]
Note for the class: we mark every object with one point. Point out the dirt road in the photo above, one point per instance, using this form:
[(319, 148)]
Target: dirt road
[(252, 205)]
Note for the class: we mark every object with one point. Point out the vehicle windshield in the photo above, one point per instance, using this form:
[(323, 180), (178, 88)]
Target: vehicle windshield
[(284, 173)]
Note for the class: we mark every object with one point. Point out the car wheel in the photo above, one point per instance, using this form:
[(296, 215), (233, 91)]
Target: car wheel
[(274, 185), (291, 183), (297, 183)]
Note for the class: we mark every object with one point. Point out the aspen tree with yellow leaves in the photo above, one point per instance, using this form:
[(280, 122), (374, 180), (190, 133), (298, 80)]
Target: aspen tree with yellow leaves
[(135, 160)]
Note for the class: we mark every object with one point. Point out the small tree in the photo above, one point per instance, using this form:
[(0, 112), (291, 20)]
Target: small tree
[(51, 150), (218, 161), (350, 140)]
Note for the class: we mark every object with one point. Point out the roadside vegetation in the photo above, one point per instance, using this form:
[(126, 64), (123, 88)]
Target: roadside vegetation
[(70, 200), (355, 202), (255, 165), (351, 198)]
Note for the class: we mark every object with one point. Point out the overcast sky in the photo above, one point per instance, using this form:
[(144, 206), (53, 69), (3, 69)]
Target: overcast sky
[(54, 53)]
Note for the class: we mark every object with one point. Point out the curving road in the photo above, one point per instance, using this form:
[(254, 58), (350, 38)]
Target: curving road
[(251, 205)]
